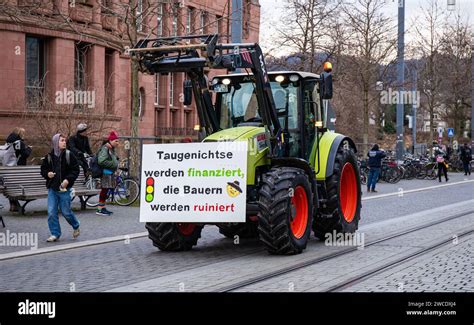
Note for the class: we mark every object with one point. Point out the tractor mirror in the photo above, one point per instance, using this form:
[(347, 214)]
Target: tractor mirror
[(327, 85), (187, 92)]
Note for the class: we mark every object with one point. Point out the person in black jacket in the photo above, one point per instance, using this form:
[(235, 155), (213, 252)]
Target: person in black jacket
[(375, 164), (466, 157), (80, 147), (60, 169), (440, 157), (22, 152)]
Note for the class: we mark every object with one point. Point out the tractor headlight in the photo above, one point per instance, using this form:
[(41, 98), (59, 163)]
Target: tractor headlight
[(215, 81), (294, 78), (226, 81), (279, 78)]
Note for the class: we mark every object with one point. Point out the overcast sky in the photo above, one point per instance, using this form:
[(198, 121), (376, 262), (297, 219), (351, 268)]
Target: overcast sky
[(271, 11)]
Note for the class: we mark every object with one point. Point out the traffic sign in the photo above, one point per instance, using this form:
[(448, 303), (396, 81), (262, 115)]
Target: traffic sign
[(440, 132), (450, 132)]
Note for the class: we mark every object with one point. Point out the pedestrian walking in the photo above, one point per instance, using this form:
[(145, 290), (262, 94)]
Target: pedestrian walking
[(80, 147), (60, 169), (375, 165), (108, 161), (466, 157), (440, 157), (17, 155)]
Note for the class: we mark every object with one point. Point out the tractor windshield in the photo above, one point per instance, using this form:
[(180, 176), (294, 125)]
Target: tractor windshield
[(240, 104)]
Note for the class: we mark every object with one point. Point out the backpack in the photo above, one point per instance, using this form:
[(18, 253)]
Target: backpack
[(7, 155), (96, 170), (68, 158)]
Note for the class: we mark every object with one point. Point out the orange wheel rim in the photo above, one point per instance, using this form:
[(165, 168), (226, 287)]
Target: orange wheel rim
[(348, 192), (186, 229), (299, 208)]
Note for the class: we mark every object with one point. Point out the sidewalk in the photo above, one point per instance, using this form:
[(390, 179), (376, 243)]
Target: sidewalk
[(406, 185), (124, 221)]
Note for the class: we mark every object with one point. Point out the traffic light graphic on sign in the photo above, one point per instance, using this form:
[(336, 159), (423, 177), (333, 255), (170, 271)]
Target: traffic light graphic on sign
[(150, 189)]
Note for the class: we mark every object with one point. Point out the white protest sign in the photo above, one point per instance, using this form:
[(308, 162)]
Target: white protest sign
[(194, 182)]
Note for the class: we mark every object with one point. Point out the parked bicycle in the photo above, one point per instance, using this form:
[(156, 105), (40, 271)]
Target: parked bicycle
[(390, 172), (125, 193), (363, 170)]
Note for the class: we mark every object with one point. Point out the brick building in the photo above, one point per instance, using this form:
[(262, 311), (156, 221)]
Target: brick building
[(42, 54)]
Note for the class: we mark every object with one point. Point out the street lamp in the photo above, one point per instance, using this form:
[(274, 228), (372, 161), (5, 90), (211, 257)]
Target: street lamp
[(400, 77)]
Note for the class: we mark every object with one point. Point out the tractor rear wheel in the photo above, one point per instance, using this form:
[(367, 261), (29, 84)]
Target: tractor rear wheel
[(243, 230), (341, 211), (286, 210), (173, 236)]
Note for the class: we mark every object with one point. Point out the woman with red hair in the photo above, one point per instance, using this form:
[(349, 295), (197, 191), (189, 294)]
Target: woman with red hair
[(108, 161)]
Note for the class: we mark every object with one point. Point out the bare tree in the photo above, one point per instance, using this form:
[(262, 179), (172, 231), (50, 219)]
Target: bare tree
[(306, 30), (428, 36), (61, 111), (456, 67), (371, 43)]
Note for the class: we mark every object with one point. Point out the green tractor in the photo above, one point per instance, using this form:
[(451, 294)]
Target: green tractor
[(300, 175)]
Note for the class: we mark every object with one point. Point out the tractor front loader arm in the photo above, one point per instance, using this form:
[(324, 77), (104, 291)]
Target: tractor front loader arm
[(184, 54)]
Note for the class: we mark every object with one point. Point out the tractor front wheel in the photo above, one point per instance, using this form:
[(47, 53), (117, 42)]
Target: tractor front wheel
[(173, 236), (341, 211), (286, 210)]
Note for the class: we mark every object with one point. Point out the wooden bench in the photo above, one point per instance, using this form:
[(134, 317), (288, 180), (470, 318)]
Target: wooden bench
[(25, 183)]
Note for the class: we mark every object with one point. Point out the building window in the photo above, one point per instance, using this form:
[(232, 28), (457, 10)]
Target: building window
[(108, 82), (139, 15), (157, 89), (174, 23), (35, 71), (246, 18), (435, 116), (219, 24), (202, 24), (80, 65), (159, 30), (188, 122), (171, 90), (189, 19)]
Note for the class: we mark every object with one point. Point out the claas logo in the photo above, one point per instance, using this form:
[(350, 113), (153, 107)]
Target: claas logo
[(150, 189)]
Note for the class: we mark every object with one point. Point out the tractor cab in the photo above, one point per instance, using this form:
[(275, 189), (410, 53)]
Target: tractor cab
[(297, 101)]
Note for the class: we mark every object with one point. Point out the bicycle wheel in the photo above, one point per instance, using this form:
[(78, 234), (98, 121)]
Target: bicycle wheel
[(363, 176), (432, 172), (126, 192), (91, 184), (395, 175), (421, 173)]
